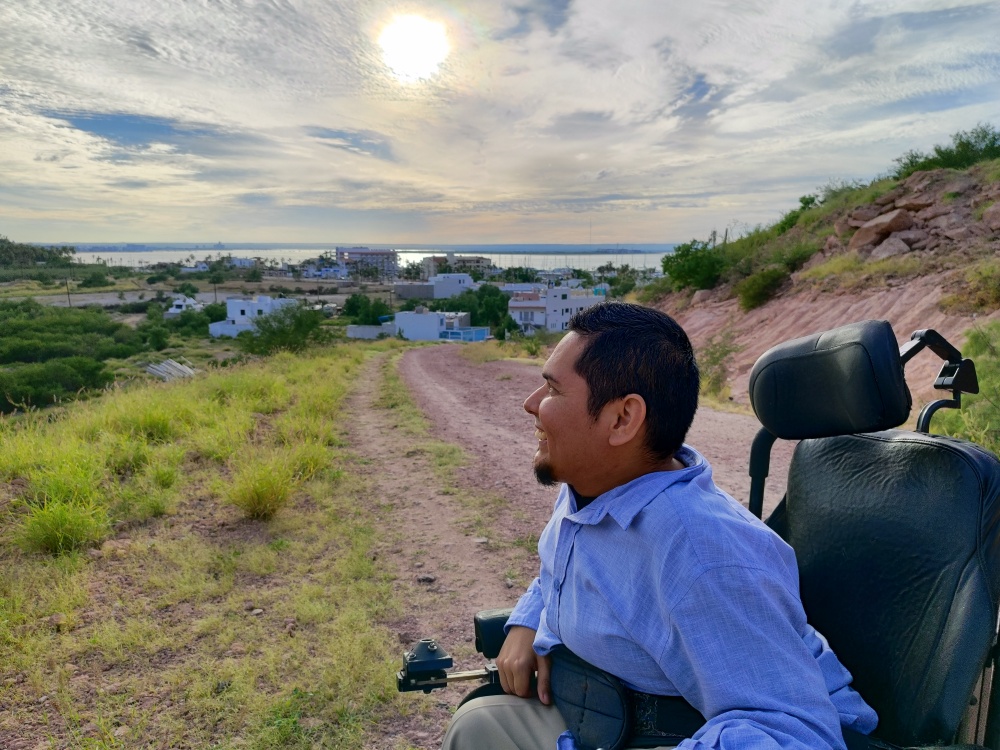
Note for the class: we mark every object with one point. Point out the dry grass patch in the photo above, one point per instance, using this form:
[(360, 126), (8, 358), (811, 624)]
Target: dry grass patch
[(167, 618)]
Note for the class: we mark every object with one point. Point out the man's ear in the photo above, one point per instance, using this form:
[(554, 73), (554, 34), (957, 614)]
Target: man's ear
[(629, 415)]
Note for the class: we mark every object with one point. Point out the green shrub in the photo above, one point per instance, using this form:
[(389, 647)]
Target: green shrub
[(791, 218), (694, 264), (60, 526), (757, 289), (215, 312), (714, 360), (968, 147), (292, 328), (47, 383), (95, 279), (260, 488)]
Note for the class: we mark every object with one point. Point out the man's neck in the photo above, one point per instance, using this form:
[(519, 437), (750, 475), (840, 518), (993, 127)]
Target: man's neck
[(612, 479)]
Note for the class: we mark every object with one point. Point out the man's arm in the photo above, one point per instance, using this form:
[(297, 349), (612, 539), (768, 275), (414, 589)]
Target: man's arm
[(735, 651), (517, 661)]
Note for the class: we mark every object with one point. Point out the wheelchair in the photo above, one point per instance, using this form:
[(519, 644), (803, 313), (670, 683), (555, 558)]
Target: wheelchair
[(896, 533)]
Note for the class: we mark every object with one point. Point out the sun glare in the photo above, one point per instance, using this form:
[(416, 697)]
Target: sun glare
[(413, 47)]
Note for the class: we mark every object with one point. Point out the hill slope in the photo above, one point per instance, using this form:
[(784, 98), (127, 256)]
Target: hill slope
[(920, 253)]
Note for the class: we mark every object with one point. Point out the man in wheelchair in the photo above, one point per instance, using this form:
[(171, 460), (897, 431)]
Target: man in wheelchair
[(664, 613), (651, 573)]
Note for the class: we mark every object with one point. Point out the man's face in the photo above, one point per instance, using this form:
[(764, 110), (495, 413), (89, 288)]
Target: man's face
[(569, 443)]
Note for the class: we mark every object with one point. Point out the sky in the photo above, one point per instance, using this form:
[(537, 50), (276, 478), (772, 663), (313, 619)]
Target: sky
[(546, 121)]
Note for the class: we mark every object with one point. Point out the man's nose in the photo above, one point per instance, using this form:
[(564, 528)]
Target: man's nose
[(531, 402)]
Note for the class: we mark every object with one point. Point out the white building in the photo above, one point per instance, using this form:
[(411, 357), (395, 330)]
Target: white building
[(387, 329), (386, 262), (241, 311), (241, 262), (423, 325), (442, 286), (446, 285), (550, 309), (180, 304), (457, 263), (199, 267)]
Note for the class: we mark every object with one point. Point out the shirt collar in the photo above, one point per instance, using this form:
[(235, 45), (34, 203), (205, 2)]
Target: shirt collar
[(624, 503)]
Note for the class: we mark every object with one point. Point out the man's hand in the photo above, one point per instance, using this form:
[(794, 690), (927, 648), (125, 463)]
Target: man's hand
[(518, 662)]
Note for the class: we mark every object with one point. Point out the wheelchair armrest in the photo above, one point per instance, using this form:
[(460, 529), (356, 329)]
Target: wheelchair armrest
[(489, 631)]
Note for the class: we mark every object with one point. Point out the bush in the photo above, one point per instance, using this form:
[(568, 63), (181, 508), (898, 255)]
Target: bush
[(215, 312), (95, 279), (291, 328), (58, 526), (714, 360), (187, 289), (694, 264), (982, 143), (260, 488), (364, 310), (46, 383), (760, 287)]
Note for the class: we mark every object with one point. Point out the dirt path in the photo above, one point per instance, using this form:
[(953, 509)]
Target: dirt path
[(448, 571)]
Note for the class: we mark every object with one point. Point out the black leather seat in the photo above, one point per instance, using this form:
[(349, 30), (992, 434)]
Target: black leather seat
[(897, 534)]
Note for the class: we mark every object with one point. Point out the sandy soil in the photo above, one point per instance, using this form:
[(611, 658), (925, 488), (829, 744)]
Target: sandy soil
[(908, 306), (478, 407)]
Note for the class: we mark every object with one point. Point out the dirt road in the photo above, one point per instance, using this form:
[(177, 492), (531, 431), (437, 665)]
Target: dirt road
[(448, 566), (478, 406)]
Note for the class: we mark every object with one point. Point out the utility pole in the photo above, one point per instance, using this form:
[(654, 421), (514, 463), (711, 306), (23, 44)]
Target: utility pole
[(69, 300)]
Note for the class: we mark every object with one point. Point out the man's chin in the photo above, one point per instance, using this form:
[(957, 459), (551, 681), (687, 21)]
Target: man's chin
[(545, 475)]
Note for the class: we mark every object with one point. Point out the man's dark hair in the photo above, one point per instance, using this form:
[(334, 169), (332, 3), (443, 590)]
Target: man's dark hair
[(633, 349)]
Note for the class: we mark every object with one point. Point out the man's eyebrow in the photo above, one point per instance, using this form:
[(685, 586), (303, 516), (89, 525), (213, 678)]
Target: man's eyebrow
[(549, 377)]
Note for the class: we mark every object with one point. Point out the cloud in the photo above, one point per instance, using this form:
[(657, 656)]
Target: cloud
[(363, 142), (676, 117)]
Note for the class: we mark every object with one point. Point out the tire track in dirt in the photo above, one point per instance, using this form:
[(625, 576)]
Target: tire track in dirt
[(444, 574)]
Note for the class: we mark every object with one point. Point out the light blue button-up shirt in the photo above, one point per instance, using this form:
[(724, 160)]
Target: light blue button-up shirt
[(673, 586)]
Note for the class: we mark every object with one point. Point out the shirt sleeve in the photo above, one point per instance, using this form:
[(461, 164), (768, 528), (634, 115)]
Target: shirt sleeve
[(528, 610), (735, 651)]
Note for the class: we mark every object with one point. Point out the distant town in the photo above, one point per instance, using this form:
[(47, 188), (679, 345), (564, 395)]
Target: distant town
[(536, 300)]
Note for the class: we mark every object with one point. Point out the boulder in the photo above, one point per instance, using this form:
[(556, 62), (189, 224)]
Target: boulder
[(958, 233), (701, 296), (945, 221), (861, 216), (991, 217), (892, 246), (832, 245), (876, 230), (914, 202), (933, 211), (910, 236), (842, 226), (889, 198)]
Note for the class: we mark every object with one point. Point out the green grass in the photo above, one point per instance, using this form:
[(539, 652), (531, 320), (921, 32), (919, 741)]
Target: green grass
[(158, 620), (851, 271)]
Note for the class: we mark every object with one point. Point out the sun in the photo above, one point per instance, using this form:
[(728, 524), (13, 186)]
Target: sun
[(413, 47)]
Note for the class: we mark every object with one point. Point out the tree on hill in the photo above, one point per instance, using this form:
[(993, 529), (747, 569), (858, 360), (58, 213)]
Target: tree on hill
[(364, 310), (292, 328), (20, 254)]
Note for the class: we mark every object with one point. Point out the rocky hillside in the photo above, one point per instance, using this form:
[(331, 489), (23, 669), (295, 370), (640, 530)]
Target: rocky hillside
[(922, 253)]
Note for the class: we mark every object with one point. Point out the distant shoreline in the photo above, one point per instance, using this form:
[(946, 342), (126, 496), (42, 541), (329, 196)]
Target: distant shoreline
[(515, 249)]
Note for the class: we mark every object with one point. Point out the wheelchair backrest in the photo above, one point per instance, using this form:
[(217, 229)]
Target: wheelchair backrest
[(897, 533)]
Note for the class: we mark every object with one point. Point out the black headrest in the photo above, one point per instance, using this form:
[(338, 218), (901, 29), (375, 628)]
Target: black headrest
[(839, 382)]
